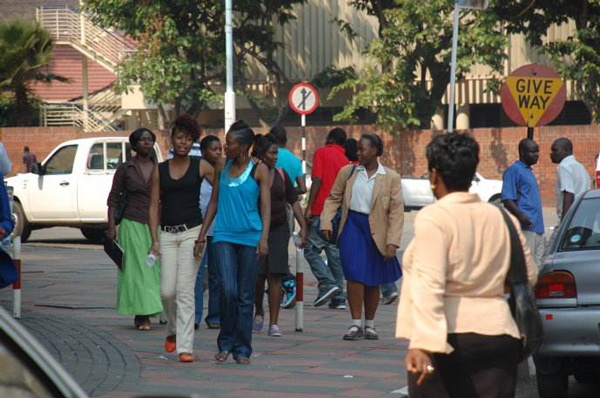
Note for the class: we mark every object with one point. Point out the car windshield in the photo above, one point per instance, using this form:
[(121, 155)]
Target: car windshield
[(583, 232)]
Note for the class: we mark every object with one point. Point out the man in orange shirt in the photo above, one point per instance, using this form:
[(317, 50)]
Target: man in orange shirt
[(327, 162)]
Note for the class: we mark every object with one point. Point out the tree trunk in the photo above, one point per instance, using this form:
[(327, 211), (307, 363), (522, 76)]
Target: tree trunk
[(23, 110)]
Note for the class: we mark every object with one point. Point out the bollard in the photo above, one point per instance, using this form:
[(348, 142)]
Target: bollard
[(17, 284), (299, 291)]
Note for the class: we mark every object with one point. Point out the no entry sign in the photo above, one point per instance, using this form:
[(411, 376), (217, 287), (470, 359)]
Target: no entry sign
[(303, 99), (533, 95)]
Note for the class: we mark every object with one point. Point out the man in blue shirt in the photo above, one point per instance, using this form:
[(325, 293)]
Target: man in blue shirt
[(521, 197), (288, 161)]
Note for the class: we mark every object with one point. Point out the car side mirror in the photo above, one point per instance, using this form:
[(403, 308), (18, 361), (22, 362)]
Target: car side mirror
[(37, 168)]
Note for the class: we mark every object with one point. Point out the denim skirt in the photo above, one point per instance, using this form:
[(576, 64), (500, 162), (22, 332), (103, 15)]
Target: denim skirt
[(361, 260)]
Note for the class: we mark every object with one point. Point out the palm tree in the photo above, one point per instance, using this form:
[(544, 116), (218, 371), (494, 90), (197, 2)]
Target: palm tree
[(25, 50)]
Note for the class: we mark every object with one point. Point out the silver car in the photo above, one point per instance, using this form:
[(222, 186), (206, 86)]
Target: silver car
[(568, 296)]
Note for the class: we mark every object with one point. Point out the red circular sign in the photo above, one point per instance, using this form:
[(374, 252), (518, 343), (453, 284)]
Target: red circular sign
[(533, 95), (303, 99)]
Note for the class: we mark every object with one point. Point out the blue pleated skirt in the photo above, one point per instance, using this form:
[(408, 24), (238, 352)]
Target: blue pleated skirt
[(361, 260)]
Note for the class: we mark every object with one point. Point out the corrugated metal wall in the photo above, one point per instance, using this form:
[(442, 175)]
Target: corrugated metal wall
[(313, 42)]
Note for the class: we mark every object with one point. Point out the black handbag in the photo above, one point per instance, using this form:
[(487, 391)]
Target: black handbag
[(120, 209), (337, 218), (522, 300)]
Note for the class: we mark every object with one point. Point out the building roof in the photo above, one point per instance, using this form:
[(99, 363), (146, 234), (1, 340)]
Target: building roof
[(67, 62)]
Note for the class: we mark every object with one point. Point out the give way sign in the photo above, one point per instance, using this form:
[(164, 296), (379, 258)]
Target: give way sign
[(533, 95), (303, 99)]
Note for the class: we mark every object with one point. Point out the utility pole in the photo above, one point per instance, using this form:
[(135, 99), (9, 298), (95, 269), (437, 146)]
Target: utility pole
[(229, 93)]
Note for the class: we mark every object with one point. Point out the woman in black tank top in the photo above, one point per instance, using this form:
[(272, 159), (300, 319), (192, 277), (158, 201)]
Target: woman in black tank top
[(176, 191)]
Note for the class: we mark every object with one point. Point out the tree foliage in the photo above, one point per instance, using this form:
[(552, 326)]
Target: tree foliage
[(409, 63), (25, 50), (578, 56), (181, 47)]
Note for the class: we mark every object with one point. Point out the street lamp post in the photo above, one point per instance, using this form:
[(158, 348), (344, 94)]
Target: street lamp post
[(477, 4), (229, 93)]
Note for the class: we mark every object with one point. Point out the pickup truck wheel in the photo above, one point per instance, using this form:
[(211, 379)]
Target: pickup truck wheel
[(553, 385), (95, 235), (22, 227)]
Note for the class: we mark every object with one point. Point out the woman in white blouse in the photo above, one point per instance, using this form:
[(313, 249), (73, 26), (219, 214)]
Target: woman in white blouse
[(463, 338), (370, 196)]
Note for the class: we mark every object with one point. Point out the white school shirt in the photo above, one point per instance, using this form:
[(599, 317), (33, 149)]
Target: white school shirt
[(362, 191), (205, 194), (5, 164), (571, 177)]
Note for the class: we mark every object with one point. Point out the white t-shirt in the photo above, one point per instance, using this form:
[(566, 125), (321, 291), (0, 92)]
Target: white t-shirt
[(5, 164), (362, 190), (571, 177), (205, 194)]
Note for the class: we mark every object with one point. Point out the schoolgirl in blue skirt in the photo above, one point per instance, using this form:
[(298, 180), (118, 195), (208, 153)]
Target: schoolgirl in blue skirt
[(370, 196)]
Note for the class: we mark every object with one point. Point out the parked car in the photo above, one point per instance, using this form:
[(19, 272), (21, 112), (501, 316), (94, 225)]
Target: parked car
[(568, 297), (70, 187), (417, 191)]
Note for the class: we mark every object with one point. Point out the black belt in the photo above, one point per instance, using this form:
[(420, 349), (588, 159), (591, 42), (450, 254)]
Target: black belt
[(173, 229)]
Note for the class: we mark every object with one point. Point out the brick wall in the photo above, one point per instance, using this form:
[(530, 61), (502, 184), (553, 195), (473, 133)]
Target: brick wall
[(404, 152)]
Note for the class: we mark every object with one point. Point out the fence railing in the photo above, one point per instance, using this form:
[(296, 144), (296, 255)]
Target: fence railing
[(73, 114), (66, 24)]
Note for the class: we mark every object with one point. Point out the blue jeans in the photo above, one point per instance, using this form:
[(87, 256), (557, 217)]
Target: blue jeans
[(328, 274), (214, 286), (238, 269)]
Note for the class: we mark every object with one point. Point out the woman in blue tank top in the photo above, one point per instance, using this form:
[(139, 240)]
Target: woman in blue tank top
[(240, 237)]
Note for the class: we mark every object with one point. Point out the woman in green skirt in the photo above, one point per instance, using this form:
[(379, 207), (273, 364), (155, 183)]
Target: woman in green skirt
[(138, 291)]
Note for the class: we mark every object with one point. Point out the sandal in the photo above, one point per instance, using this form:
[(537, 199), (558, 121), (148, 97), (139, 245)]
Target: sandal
[(222, 356), (242, 360), (145, 324)]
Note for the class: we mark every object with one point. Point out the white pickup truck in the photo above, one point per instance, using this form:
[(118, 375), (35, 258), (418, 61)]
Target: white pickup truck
[(417, 192), (70, 187)]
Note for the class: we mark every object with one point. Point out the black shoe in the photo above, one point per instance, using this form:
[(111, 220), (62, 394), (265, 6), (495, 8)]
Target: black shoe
[(371, 333), (322, 298), (196, 326), (337, 304), (354, 333)]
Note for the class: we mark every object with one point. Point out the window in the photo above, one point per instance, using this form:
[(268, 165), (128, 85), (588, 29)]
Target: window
[(96, 157), (130, 153), (583, 232), (114, 155), (62, 161)]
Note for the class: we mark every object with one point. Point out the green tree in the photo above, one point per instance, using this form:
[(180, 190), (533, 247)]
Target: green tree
[(409, 63), (181, 47), (578, 56), (25, 50)]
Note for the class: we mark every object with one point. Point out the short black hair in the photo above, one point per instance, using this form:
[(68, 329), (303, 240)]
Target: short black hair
[(375, 141), (351, 149), (337, 135), (455, 157), (279, 134), (26, 149), (262, 143), (564, 143), (186, 124), (135, 136), (206, 141)]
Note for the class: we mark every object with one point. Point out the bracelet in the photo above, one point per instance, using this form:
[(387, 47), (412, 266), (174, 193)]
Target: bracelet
[(200, 241)]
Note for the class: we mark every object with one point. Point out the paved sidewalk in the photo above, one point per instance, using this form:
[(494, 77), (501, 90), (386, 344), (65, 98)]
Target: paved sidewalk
[(68, 300)]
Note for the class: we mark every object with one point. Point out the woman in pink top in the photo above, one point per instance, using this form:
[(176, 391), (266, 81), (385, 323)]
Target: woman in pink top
[(463, 338)]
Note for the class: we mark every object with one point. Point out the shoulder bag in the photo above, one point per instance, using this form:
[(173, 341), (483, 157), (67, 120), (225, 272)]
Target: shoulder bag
[(522, 300), (120, 209)]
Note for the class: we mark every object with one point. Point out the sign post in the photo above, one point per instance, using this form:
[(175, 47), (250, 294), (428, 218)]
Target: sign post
[(475, 4), (532, 96), (303, 99)]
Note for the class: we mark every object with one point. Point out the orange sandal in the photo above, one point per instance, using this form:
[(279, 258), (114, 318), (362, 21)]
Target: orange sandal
[(171, 343), (185, 357)]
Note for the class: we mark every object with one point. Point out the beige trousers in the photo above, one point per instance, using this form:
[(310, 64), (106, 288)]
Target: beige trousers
[(179, 269), (536, 243)]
